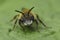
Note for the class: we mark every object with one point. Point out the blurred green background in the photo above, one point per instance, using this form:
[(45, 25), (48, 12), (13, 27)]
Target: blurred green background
[(48, 11)]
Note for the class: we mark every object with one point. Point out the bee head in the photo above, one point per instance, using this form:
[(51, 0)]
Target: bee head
[(27, 18)]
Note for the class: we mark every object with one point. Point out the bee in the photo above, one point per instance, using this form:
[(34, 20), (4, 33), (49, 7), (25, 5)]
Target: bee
[(25, 18)]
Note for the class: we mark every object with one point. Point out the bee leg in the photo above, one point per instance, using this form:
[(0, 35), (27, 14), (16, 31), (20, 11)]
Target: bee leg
[(14, 23), (22, 26), (40, 21), (14, 18), (37, 28), (13, 26)]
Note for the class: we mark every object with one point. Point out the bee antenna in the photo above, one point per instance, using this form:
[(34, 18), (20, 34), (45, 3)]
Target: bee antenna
[(19, 11), (30, 10)]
